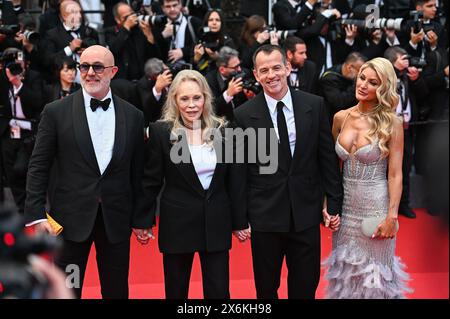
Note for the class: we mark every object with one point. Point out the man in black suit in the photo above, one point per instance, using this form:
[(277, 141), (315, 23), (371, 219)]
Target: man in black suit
[(69, 38), (96, 142), (21, 102), (227, 89), (284, 208), (131, 41), (304, 75), (179, 35), (289, 14)]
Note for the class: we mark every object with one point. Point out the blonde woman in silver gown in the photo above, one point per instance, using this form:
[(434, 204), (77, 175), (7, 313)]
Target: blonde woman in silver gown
[(369, 140)]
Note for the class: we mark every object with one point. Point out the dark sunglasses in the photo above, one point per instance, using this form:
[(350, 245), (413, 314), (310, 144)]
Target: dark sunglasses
[(98, 68)]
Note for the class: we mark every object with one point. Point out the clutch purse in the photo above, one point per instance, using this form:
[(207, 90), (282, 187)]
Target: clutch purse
[(369, 225), (57, 228)]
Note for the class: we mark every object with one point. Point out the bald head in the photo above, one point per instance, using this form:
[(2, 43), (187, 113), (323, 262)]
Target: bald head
[(67, 5), (101, 53), (70, 12)]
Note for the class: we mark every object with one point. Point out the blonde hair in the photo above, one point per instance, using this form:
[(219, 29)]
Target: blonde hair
[(383, 117), (171, 113)]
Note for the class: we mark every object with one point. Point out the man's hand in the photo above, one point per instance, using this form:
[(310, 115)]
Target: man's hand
[(147, 31), (273, 38), (351, 31), (75, 44), (402, 62), (243, 234), (432, 38), (446, 71), (15, 80), (413, 73), (163, 80), (168, 30), (175, 55), (417, 37), (263, 37), (329, 221), (212, 54), (143, 235), (199, 50), (234, 86), (130, 21), (44, 227)]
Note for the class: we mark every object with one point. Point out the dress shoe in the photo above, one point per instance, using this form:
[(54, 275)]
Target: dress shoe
[(407, 212)]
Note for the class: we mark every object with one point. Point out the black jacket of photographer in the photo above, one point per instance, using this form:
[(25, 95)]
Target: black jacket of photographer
[(30, 94), (58, 38), (151, 107), (131, 50), (218, 87), (287, 17), (405, 37), (190, 39), (338, 91)]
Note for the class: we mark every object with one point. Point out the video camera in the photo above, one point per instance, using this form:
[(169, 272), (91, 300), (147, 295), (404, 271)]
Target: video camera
[(11, 61), (248, 81), (17, 278)]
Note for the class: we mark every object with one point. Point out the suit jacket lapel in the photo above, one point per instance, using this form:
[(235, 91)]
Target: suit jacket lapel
[(82, 134), (302, 114), (120, 134)]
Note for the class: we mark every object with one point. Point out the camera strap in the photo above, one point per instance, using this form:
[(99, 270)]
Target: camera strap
[(191, 30)]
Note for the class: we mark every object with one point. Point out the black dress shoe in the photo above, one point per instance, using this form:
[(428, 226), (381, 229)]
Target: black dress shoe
[(407, 212)]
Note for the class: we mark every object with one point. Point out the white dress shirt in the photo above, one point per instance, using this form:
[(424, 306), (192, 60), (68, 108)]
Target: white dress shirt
[(204, 160), (180, 32), (288, 111), (102, 126)]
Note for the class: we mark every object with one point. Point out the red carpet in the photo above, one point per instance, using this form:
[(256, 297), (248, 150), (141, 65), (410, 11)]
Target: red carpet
[(422, 244)]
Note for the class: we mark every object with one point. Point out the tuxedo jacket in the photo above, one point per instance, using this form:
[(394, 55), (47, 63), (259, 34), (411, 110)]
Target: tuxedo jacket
[(64, 140), (297, 189), (30, 94), (218, 86), (308, 77), (58, 38), (286, 16), (192, 219)]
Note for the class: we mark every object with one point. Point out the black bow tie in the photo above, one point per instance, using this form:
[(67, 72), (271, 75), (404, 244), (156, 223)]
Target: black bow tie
[(97, 103)]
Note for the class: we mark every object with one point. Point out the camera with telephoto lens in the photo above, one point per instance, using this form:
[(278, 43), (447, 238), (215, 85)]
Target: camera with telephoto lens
[(248, 81), (281, 34), (11, 61), (32, 36), (17, 278), (158, 20)]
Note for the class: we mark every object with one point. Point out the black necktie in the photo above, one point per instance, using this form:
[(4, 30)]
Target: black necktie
[(283, 133), (97, 103)]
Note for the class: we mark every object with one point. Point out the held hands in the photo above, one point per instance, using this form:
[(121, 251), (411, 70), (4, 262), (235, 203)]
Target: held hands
[(330, 221), (143, 235), (387, 229), (243, 234)]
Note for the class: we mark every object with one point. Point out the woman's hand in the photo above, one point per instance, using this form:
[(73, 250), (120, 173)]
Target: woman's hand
[(387, 229)]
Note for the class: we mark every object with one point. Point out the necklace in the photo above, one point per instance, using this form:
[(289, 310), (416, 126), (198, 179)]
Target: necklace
[(365, 113)]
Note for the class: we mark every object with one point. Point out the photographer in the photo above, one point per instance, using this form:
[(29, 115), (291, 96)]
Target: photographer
[(70, 38), (412, 89), (152, 89), (227, 83), (131, 41), (304, 75), (337, 84), (22, 101), (423, 33), (290, 14), (212, 39), (326, 44), (178, 35)]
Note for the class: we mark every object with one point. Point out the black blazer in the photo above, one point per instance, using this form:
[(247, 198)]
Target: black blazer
[(218, 86), (298, 188), (192, 219), (286, 16), (53, 91), (308, 77), (30, 95), (63, 139), (58, 38)]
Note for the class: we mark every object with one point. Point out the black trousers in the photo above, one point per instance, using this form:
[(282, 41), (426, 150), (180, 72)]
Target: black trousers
[(406, 167), (302, 252), (11, 148), (215, 274), (112, 262)]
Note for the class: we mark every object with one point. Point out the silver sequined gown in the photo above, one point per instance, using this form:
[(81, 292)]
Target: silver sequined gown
[(360, 267)]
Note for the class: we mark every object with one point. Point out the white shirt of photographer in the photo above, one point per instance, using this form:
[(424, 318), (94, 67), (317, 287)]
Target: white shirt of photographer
[(68, 51)]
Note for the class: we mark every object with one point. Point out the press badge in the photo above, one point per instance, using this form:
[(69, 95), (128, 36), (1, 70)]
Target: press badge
[(15, 132)]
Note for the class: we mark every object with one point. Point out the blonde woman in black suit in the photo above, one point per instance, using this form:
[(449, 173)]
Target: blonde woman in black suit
[(201, 203)]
